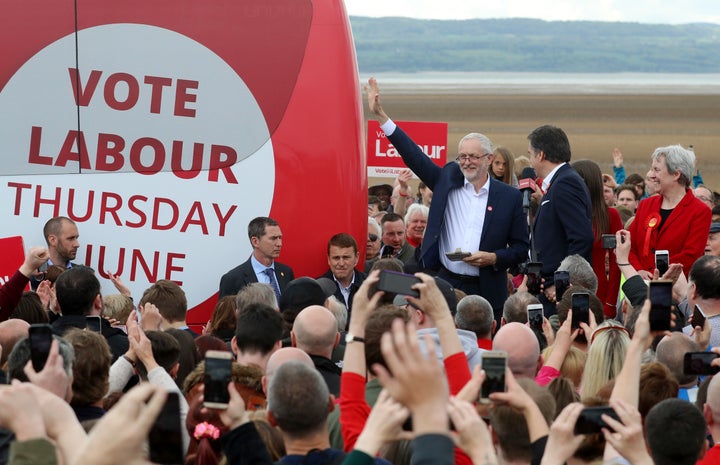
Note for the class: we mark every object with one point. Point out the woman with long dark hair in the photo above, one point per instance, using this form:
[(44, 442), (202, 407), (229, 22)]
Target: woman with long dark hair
[(605, 220)]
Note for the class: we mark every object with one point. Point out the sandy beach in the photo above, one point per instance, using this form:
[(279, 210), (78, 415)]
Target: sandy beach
[(594, 123)]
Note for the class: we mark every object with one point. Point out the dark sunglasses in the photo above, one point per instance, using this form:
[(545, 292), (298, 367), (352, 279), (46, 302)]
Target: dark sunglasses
[(372, 237)]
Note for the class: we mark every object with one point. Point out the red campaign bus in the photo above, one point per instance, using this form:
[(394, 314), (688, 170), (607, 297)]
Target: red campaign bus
[(162, 128)]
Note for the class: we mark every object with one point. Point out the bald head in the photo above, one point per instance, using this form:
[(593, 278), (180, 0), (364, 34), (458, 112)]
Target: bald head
[(522, 348), (11, 331), (671, 352), (712, 404), (315, 331), (281, 356)]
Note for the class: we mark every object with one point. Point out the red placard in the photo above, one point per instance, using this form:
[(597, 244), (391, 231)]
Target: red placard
[(13, 252), (383, 159)]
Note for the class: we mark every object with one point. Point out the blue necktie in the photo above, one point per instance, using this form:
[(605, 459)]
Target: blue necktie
[(273, 283)]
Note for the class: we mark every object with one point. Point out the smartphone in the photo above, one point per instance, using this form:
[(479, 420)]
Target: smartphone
[(218, 368), (700, 363), (590, 420), (457, 256), (533, 277), (660, 295), (535, 316), (662, 261), (93, 323), (494, 363), (398, 283), (387, 252), (562, 283), (580, 305), (165, 439), (609, 241), (698, 317), (40, 336)]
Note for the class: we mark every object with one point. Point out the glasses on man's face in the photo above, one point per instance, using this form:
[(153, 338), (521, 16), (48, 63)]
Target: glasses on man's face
[(470, 157), (372, 237)]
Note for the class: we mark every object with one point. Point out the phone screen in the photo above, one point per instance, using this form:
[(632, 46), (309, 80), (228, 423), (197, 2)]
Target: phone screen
[(580, 304), (662, 261), (699, 363), (40, 341), (165, 439), (562, 283), (660, 293), (494, 364), (609, 241), (535, 316), (698, 317), (93, 323), (387, 251), (533, 277), (590, 420), (218, 368), (398, 283)]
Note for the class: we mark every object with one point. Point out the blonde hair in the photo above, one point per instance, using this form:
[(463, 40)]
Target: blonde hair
[(118, 307), (605, 357), (521, 163), (573, 365)]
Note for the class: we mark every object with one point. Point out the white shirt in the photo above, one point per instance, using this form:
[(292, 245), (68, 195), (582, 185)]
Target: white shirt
[(548, 179), (463, 222), (463, 225)]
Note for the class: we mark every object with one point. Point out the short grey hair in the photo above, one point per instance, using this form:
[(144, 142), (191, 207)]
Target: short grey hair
[(339, 310), (256, 293), (416, 208), (474, 313), (515, 307), (484, 140), (374, 224), (298, 398), (677, 160), (581, 273)]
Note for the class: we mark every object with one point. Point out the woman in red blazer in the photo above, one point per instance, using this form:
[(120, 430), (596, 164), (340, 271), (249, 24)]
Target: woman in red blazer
[(674, 220), (605, 221)]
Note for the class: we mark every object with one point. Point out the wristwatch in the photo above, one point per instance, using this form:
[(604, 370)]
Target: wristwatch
[(350, 338)]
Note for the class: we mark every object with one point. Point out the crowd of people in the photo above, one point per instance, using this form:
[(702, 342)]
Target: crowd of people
[(332, 370)]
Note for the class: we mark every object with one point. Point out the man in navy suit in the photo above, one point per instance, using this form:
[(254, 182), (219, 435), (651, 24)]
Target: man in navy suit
[(266, 240), (469, 211), (563, 222)]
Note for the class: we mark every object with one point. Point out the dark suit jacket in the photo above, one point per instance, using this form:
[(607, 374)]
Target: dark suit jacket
[(563, 222), (359, 278), (242, 275), (505, 230)]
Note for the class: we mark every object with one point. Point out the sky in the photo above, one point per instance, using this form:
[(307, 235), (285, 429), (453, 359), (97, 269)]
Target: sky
[(642, 11)]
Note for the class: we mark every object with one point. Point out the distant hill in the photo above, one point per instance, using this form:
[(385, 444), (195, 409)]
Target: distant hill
[(411, 45)]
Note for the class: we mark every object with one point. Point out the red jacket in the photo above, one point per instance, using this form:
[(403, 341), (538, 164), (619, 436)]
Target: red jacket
[(684, 234)]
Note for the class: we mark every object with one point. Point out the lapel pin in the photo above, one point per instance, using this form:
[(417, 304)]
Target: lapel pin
[(489, 208)]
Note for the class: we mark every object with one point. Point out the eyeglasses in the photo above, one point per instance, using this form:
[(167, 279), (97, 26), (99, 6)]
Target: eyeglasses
[(372, 237), (471, 157)]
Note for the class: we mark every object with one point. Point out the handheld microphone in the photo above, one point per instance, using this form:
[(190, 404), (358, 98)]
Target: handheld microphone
[(527, 185)]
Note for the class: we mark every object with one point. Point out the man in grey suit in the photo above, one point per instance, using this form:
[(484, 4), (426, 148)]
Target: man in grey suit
[(266, 240)]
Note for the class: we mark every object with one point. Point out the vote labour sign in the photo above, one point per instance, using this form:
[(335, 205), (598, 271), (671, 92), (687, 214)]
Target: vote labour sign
[(162, 128), (385, 161)]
